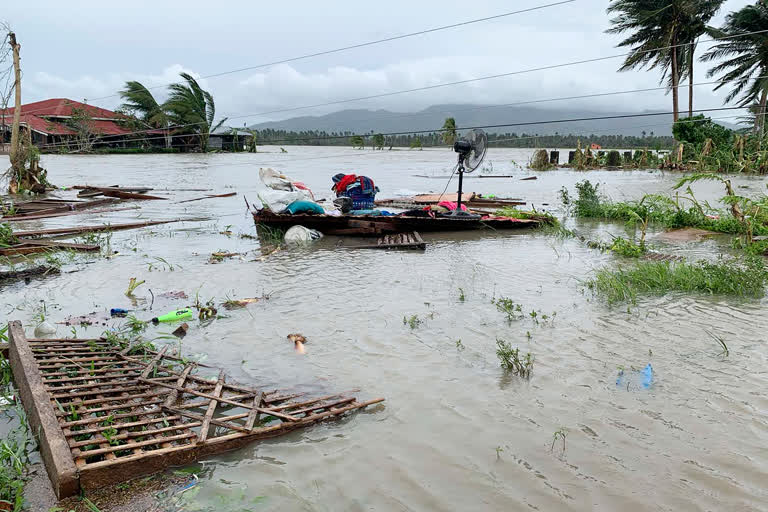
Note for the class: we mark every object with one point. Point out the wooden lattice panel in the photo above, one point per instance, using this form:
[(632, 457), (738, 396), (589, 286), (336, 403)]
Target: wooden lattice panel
[(106, 416)]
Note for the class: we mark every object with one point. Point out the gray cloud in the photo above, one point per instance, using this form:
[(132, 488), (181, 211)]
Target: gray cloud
[(104, 46)]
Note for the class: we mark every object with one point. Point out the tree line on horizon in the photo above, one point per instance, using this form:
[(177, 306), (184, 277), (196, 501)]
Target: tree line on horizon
[(439, 139)]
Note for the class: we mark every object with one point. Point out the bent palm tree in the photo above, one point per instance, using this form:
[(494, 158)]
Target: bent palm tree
[(745, 69), (138, 100), (699, 13), (658, 28), (193, 108)]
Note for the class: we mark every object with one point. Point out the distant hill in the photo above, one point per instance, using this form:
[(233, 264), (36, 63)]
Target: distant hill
[(384, 121)]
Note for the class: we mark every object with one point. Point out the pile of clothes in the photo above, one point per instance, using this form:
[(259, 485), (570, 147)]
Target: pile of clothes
[(360, 189)]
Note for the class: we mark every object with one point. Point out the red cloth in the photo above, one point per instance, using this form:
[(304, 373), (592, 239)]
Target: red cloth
[(346, 181)]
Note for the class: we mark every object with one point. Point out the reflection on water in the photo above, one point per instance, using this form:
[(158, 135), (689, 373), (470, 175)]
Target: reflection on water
[(455, 433)]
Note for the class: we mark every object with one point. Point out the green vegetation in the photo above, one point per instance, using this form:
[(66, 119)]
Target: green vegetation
[(7, 237), (507, 306), (510, 359), (656, 28), (547, 219), (720, 341), (413, 321), (357, 142), (188, 110), (746, 217), (540, 161), (747, 61), (14, 447), (449, 131), (628, 248), (746, 278), (561, 434), (378, 141)]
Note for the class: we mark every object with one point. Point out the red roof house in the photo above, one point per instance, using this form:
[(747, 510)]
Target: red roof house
[(48, 121)]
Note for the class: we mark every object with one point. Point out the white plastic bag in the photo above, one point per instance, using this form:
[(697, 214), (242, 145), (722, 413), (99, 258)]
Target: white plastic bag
[(298, 234), (278, 200), (274, 180)]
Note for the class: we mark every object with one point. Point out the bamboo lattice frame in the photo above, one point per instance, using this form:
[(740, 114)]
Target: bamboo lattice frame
[(103, 416)]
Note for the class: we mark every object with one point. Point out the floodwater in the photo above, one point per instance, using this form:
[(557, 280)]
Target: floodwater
[(455, 432)]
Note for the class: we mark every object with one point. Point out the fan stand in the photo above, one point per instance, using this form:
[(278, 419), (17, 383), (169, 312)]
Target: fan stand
[(461, 180), (458, 211)]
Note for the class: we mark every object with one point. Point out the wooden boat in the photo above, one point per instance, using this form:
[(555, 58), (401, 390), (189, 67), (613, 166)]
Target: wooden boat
[(376, 225)]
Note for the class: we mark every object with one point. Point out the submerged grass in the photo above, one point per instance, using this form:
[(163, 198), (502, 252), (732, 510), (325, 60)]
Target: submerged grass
[(679, 211), (512, 360), (14, 447), (745, 278)]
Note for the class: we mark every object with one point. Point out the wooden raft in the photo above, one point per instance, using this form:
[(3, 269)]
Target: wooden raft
[(397, 241), (103, 416)]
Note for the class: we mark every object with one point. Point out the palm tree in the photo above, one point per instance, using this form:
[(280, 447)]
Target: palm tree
[(745, 69), (659, 29), (449, 131), (190, 106), (138, 100), (699, 13)]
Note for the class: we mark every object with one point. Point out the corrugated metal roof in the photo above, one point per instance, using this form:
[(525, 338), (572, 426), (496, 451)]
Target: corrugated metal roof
[(44, 117)]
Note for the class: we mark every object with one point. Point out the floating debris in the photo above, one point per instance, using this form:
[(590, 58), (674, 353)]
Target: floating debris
[(104, 416)]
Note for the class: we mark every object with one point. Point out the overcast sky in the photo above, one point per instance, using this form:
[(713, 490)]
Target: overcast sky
[(87, 49)]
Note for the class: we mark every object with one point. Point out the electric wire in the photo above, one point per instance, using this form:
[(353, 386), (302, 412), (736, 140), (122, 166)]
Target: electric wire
[(459, 82)]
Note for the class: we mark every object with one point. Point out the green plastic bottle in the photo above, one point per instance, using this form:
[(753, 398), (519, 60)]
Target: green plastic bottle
[(179, 314)]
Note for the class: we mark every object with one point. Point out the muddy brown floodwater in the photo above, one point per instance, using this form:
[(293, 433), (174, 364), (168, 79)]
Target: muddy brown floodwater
[(456, 432)]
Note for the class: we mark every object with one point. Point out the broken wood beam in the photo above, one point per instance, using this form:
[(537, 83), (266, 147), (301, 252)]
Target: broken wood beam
[(208, 196), (65, 213), (220, 399), (104, 227), (33, 247)]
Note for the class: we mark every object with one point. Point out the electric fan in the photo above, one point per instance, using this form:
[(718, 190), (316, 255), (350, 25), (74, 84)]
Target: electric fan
[(471, 150)]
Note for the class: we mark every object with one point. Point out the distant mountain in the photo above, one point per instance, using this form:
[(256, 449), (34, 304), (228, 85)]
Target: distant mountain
[(384, 121)]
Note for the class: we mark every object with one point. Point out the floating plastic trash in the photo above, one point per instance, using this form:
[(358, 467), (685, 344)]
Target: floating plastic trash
[(179, 314), (638, 378)]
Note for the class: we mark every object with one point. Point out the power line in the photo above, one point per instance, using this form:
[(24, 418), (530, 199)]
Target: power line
[(547, 100), (355, 46), (460, 82), (483, 78), (369, 43), (604, 94)]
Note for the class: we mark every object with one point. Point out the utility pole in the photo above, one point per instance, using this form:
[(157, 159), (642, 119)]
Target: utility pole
[(16, 153)]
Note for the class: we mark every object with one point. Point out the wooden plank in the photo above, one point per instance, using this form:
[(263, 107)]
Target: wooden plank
[(173, 396), (128, 435), (92, 229), (211, 408), (130, 195), (153, 363), (34, 216), (253, 414), (131, 446), (199, 417), (208, 196), (220, 399), (42, 420)]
